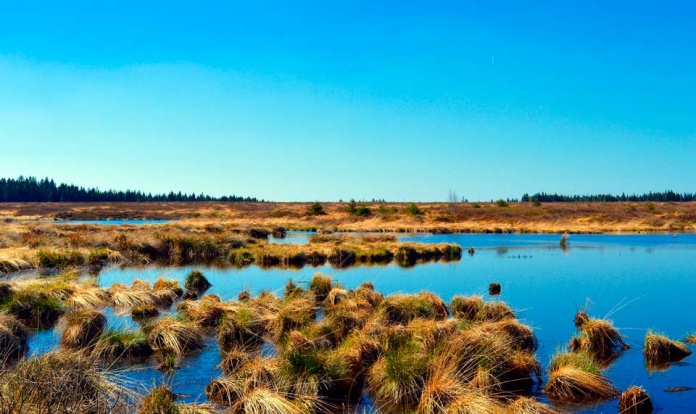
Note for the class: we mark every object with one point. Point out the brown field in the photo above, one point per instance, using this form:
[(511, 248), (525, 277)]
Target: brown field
[(388, 217)]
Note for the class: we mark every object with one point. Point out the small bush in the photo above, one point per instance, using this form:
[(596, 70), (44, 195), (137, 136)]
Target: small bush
[(316, 209), (502, 203), (413, 210)]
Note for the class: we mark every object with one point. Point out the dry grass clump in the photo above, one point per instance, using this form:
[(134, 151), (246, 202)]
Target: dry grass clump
[(635, 401), (397, 378), (144, 312), (401, 309), (62, 382), (598, 337), (660, 351), (160, 400), (490, 360), (321, 286), (177, 336), (292, 314), (124, 298), (91, 297), (575, 377), (115, 345), (13, 339), (82, 328), (257, 387), (209, 312), (234, 359), (170, 285), (243, 325), (38, 304), (474, 309), (527, 405)]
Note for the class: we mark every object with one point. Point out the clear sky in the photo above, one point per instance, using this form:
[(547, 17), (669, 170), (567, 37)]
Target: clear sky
[(321, 100)]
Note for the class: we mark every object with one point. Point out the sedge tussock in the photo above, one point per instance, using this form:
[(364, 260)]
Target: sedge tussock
[(89, 298), (82, 328), (659, 351), (177, 336), (62, 381), (575, 377)]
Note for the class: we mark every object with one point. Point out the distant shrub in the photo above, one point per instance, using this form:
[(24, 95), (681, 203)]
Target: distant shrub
[(363, 211), (502, 203), (536, 202), (351, 207), (413, 210), (650, 206), (476, 205), (316, 209)]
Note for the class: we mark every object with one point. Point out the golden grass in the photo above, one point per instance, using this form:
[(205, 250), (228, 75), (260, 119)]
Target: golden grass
[(92, 297), (598, 337), (575, 377), (178, 336)]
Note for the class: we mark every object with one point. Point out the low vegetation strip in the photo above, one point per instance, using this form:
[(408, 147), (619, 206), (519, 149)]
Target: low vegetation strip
[(52, 246), (458, 217)]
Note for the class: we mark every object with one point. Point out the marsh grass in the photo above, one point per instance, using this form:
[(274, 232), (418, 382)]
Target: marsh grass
[(576, 378), (62, 382), (114, 345), (82, 328), (13, 339), (598, 337), (174, 335), (659, 351)]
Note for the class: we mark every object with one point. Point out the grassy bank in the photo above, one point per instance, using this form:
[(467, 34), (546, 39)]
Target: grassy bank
[(390, 217)]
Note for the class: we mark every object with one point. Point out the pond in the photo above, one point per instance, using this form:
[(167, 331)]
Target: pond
[(640, 282)]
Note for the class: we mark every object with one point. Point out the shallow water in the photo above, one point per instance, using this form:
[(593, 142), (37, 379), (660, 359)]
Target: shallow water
[(292, 237), (640, 282)]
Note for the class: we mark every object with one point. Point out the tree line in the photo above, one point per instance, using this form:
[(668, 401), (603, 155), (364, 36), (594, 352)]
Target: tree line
[(30, 189), (668, 195)]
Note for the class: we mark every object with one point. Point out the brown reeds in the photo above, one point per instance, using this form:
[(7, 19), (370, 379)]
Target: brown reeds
[(635, 401)]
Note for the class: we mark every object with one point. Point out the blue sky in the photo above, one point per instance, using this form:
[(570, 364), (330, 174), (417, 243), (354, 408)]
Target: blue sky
[(318, 100)]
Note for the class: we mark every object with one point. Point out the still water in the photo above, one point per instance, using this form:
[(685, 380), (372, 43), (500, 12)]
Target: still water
[(640, 282)]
